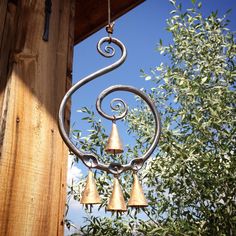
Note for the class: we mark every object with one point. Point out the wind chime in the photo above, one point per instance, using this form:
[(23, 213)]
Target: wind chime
[(114, 146)]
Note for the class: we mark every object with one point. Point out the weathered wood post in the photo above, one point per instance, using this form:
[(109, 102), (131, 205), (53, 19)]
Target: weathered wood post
[(34, 76)]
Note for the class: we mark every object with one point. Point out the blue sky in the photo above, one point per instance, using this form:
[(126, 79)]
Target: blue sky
[(139, 30)]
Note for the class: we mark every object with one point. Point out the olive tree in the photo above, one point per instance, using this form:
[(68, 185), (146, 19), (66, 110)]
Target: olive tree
[(190, 182)]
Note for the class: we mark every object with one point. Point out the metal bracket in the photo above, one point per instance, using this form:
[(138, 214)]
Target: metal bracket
[(48, 10)]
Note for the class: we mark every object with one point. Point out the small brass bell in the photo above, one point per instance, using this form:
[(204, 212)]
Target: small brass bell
[(117, 202), (90, 194), (114, 144), (137, 198)]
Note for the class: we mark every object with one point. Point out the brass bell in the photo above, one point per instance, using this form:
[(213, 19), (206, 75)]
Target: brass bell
[(137, 198), (114, 144), (117, 202), (90, 194)]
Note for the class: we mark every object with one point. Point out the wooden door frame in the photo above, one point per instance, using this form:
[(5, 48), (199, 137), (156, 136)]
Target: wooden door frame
[(34, 77)]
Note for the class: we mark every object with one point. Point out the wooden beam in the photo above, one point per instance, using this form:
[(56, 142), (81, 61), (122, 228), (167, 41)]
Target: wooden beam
[(34, 76), (33, 158), (3, 7), (7, 35), (91, 15)]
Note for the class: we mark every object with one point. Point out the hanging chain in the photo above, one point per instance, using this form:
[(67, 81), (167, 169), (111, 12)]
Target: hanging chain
[(109, 27)]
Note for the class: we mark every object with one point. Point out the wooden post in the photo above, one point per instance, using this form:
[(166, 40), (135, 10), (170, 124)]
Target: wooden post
[(34, 76)]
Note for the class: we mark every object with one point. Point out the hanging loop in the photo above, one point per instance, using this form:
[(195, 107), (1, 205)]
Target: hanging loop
[(110, 28)]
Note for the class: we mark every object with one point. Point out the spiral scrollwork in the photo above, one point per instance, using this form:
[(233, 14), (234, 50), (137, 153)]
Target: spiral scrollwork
[(115, 107), (117, 104), (109, 51)]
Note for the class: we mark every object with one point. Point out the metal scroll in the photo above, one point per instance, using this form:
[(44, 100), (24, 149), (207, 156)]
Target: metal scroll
[(90, 159)]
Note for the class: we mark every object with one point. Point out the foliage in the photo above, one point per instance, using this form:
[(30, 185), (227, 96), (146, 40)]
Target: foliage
[(190, 183)]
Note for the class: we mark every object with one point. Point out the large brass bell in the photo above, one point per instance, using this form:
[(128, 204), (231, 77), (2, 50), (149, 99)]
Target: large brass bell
[(114, 144), (90, 194), (117, 201), (137, 198)]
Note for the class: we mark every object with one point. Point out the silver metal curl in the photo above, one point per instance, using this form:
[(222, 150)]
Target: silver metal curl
[(117, 104), (90, 159), (109, 51), (100, 98)]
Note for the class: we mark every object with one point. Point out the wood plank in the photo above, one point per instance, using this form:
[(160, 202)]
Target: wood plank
[(3, 10), (34, 76), (33, 162), (6, 44)]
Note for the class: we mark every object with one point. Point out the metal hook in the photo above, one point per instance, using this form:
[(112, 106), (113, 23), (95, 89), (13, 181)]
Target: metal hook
[(48, 10)]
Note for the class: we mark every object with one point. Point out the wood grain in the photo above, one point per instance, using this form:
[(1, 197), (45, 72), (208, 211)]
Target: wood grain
[(34, 76), (33, 161), (3, 7), (7, 35)]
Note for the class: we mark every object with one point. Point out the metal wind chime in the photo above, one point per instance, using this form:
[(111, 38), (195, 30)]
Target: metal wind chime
[(114, 146)]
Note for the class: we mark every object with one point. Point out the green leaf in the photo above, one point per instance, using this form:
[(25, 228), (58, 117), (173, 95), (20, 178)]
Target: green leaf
[(160, 42), (148, 77), (190, 179), (204, 79)]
